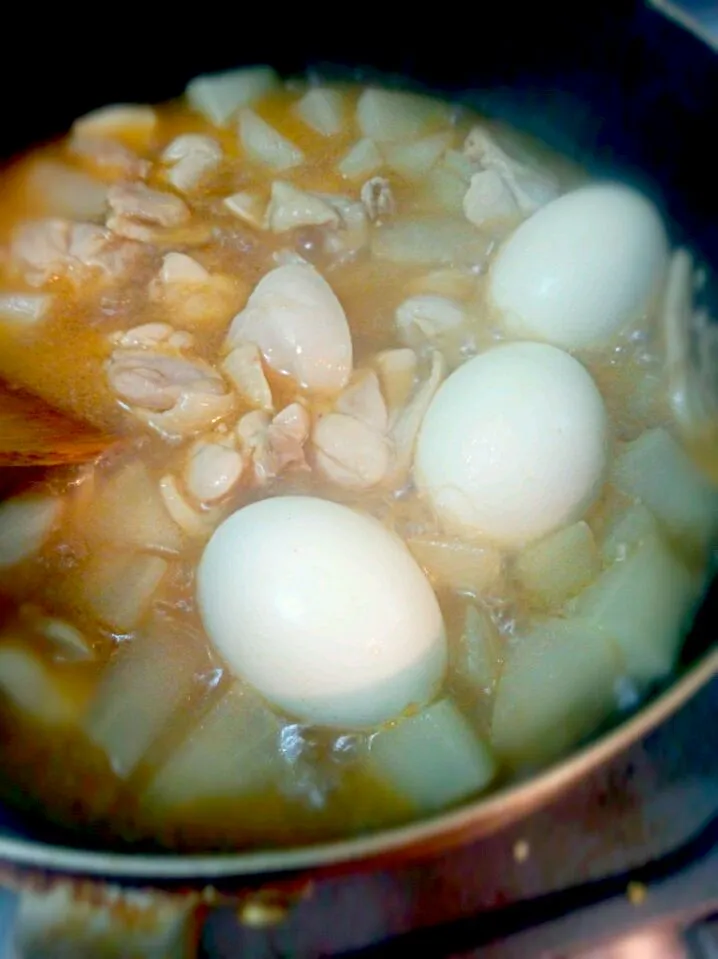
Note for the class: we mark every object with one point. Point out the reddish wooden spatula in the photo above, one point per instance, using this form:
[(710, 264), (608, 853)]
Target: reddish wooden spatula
[(32, 433)]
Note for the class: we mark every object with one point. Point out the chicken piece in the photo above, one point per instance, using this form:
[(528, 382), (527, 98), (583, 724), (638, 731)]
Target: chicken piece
[(153, 334), (351, 233), (436, 322), (243, 366), (275, 444), (213, 469), (397, 374), (378, 198), (138, 211), (192, 157), (290, 207), (531, 188), (405, 424), (193, 296), (195, 523), (175, 396), (363, 400), (349, 452), (47, 249), (300, 327), (110, 158)]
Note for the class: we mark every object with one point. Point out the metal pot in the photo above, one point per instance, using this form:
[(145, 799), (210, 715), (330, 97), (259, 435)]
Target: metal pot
[(620, 87)]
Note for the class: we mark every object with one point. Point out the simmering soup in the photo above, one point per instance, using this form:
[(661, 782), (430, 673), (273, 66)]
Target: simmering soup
[(399, 507)]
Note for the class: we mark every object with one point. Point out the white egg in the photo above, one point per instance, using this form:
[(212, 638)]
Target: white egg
[(299, 325), (514, 444), (323, 611), (582, 268)]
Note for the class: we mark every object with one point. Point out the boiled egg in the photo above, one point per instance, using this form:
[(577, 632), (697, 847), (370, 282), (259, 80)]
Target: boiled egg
[(323, 610), (513, 445), (582, 268)]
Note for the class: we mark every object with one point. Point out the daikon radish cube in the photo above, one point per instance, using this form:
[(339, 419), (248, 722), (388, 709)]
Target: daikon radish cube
[(556, 686), (362, 160), (118, 586), (627, 531), (261, 142), (233, 751), (26, 682), (26, 522), (476, 661), (148, 680), (414, 160), (456, 564), (128, 510), (323, 110), (656, 470), (390, 115), (217, 96), (559, 566), (642, 604), (433, 758), (430, 240)]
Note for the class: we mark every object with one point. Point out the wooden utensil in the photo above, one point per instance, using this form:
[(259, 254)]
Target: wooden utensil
[(32, 433)]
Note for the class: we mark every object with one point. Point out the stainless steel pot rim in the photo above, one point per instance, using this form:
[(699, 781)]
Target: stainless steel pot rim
[(467, 822)]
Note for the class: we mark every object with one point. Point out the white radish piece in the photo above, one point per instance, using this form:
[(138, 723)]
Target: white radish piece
[(390, 115), (65, 192), (323, 110), (642, 604), (290, 208), (262, 143), (127, 511), (489, 200), (148, 680), (414, 160), (478, 657), (299, 325), (118, 587), (191, 157), (218, 96), (559, 566), (425, 241), (656, 470), (556, 686), (232, 752), (182, 269), (349, 452), (247, 207), (432, 759), (24, 309), (28, 685), (458, 565), (628, 530), (131, 121), (243, 367), (363, 159), (26, 522)]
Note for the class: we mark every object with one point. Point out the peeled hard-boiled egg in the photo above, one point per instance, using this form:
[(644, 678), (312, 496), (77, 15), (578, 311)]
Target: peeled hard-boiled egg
[(324, 611), (581, 268), (513, 445)]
